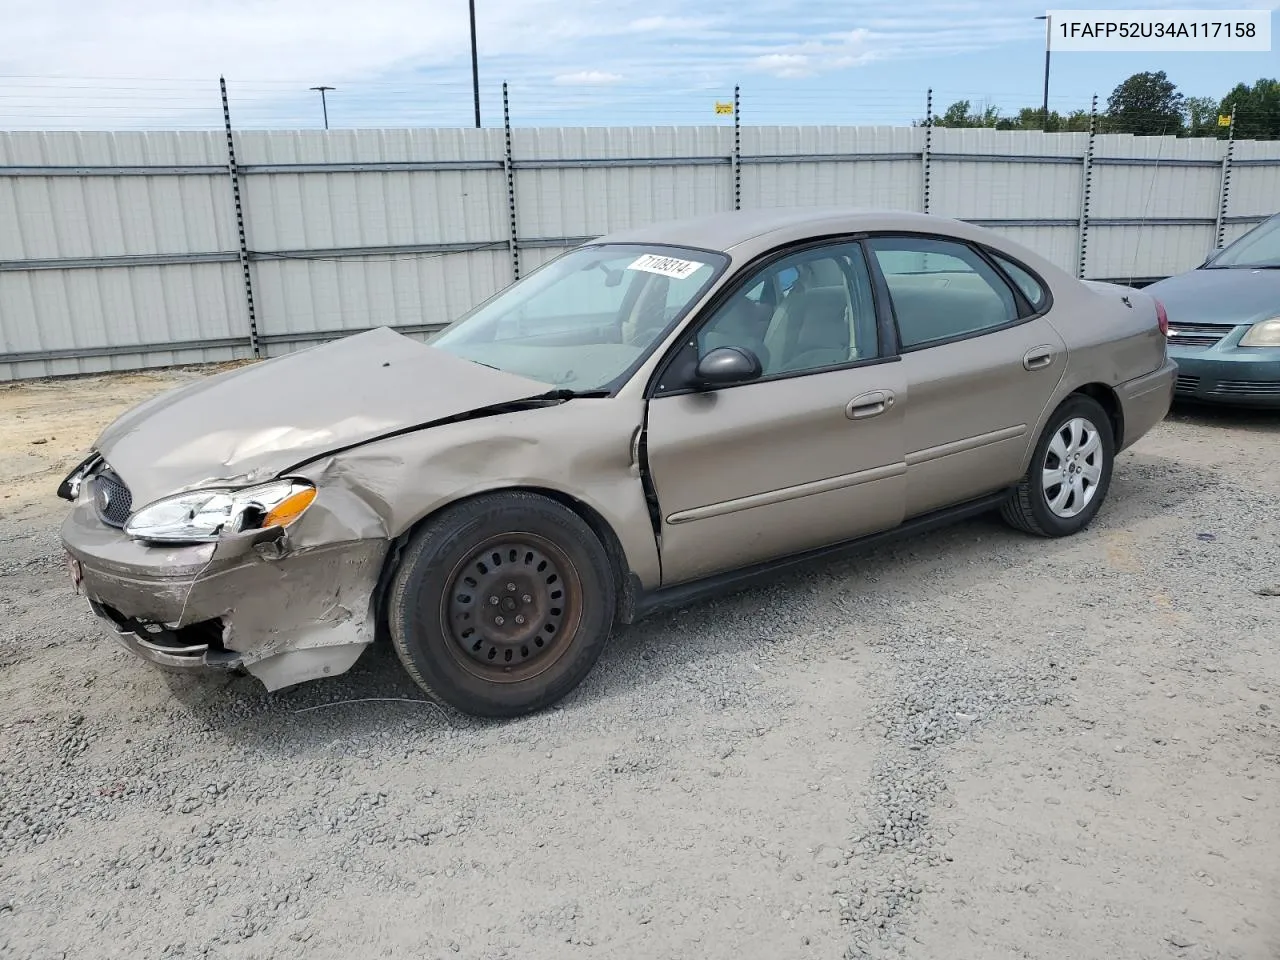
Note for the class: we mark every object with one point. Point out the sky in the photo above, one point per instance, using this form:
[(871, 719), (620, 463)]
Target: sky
[(128, 64)]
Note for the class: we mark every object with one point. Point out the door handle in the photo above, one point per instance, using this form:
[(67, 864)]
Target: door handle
[(1037, 358), (869, 404)]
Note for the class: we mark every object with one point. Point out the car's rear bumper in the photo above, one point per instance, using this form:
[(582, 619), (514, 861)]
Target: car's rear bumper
[(284, 616), (1239, 376), (1145, 401)]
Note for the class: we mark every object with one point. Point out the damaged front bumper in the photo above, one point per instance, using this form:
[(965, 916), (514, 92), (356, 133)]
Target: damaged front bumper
[(192, 649), (249, 601)]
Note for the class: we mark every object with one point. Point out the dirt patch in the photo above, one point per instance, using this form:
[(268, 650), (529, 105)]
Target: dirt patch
[(47, 426), (971, 744)]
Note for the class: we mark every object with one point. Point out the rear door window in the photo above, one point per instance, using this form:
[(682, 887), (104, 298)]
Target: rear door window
[(941, 289)]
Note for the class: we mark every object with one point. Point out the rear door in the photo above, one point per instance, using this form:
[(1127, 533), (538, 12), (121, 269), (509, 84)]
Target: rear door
[(981, 361), (811, 453)]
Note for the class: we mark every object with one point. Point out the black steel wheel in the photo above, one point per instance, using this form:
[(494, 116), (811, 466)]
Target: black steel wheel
[(502, 604), (514, 607)]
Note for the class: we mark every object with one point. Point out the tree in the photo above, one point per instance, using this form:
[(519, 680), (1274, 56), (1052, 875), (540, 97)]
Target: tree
[(960, 114), (1147, 104), (1033, 118), (1077, 121), (1202, 117), (1257, 110)]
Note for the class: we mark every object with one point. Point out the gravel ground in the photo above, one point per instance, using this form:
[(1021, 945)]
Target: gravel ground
[(973, 744)]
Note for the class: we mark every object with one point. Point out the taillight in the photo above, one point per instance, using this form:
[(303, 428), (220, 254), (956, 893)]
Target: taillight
[(1162, 318)]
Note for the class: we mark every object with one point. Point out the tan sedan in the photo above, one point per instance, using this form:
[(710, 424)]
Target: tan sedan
[(653, 415)]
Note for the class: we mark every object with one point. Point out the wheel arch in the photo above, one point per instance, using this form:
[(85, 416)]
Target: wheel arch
[(1106, 398), (626, 582), (1102, 394)]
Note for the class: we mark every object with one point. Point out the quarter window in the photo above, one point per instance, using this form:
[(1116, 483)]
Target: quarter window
[(1029, 285), (941, 289)]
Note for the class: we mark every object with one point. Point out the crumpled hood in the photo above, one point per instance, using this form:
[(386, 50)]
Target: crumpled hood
[(247, 425), (1227, 297)]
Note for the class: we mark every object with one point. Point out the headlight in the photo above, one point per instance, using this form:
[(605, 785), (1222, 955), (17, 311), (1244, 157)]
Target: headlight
[(205, 515), (1264, 334)]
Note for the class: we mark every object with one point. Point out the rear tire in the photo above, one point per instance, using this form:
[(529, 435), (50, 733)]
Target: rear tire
[(1070, 472), (502, 605)]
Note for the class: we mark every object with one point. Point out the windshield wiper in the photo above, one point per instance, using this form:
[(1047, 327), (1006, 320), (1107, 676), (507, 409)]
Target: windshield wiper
[(564, 393), (1244, 266)]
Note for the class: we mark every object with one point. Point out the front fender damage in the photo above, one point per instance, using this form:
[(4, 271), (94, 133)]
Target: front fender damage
[(580, 452), (305, 603), (292, 609)]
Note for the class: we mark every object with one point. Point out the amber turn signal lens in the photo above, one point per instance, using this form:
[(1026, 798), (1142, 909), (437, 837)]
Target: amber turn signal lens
[(290, 508)]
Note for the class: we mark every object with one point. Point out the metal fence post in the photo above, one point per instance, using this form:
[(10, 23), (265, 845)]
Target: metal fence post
[(234, 171), (1087, 189), (508, 165), (737, 147), (928, 146), (1224, 187)]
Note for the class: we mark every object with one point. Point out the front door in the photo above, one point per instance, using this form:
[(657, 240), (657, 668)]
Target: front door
[(810, 453), (981, 362)]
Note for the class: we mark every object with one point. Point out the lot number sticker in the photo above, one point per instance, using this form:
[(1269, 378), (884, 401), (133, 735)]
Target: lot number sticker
[(666, 266)]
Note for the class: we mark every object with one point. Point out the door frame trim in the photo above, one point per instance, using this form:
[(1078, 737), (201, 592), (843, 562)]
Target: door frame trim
[(965, 445), (890, 345), (783, 494), (987, 253), (886, 331)]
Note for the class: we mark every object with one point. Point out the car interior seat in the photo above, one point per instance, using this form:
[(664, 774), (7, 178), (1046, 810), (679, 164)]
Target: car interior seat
[(822, 322), (744, 323)]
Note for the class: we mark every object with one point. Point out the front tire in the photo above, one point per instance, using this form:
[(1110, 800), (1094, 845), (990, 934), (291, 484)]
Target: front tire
[(1070, 472), (502, 605)]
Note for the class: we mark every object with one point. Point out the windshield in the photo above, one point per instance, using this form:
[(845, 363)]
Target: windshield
[(1260, 247), (583, 321)]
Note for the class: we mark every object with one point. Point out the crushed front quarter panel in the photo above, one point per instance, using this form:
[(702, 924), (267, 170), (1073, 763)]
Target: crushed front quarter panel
[(300, 604), (274, 599), (580, 449)]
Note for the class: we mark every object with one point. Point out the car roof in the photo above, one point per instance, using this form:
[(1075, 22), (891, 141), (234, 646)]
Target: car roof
[(725, 231)]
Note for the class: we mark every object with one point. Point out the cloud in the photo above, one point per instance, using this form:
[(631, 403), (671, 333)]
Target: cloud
[(587, 78), (670, 24), (785, 65), (819, 55), (398, 62)]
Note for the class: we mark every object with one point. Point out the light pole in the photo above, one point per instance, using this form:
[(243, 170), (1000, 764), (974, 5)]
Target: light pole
[(475, 64), (1048, 37), (324, 105)]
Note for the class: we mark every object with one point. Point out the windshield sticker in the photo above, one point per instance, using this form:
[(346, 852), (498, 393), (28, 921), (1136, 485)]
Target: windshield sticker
[(665, 266)]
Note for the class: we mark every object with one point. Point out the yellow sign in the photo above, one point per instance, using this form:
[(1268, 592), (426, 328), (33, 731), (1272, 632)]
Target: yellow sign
[(1224, 121), (724, 108)]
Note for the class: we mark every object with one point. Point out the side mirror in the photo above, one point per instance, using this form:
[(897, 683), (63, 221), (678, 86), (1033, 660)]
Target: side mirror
[(725, 365)]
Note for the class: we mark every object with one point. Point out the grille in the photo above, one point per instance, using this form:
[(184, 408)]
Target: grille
[(1186, 383), (1188, 335), (112, 499), (1247, 388)]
